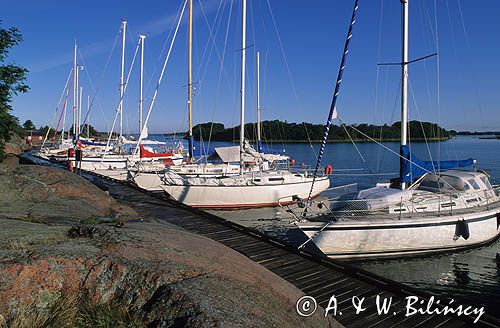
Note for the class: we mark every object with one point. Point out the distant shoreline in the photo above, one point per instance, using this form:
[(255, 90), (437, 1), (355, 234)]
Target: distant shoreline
[(319, 141)]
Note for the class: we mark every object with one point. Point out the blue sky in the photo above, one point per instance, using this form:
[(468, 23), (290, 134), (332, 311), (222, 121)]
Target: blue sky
[(312, 36)]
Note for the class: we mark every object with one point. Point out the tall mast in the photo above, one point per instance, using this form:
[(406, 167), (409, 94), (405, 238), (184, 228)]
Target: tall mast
[(64, 117), (259, 142), (190, 81), (142, 37), (80, 112), (242, 104), (404, 86), (75, 90), (88, 117), (124, 26)]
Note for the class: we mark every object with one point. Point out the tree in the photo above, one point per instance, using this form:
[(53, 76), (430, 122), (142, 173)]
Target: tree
[(28, 125), (83, 131), (12, 82)]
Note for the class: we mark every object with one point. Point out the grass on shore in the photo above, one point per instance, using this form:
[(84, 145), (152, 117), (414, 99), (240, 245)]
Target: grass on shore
[(72, 311)]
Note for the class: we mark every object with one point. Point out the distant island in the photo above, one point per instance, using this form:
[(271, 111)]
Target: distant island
[(481, 133), (279, 131)]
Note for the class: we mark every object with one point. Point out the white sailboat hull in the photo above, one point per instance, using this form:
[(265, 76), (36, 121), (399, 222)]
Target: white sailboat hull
[(242, 196), (147, 180), (116, 162), (393, 237)]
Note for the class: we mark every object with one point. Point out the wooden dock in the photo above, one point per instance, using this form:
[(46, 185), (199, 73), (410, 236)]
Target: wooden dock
[(313, 273)]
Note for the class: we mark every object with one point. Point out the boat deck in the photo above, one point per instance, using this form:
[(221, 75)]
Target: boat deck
[(313, 273), (348, 215)]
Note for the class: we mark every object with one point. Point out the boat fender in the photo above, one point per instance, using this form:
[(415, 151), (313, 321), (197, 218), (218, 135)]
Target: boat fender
[(462, 229), (329, 169), (498, 220)]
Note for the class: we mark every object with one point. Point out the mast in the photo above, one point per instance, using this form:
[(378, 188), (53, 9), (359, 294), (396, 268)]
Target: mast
[(88, 117), (124, 26), (259, 142), (190, 81), (142, 37), (404, 87), (64, 118), (242, 104), (80, 113), (75, 89)]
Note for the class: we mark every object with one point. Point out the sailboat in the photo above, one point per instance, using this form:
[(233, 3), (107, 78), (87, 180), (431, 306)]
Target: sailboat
[(104, 158), (433, 206), (245, 189)]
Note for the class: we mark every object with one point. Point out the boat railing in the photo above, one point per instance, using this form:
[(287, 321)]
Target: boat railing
[(343, 206), (301, 209)]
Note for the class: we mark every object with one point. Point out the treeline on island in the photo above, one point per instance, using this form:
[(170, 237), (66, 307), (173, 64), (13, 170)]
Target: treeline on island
[(304, 132)]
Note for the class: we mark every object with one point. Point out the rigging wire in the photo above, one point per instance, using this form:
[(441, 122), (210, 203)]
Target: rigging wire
[(474, 77), (160, 79), (357, 149), (63, 112), (333, 111), (294, 89), (96, 89), (421, 124), (388, 149), (217, 91), (379, 50), (57, 108), (150, 80), (118, 109), (213, 30)]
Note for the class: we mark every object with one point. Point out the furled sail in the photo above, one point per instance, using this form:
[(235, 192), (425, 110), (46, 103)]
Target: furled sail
[(413, 168)]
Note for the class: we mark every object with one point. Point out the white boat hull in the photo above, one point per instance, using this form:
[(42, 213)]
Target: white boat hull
[(361, 239), (112, 162), (247, 196), (147, 180)]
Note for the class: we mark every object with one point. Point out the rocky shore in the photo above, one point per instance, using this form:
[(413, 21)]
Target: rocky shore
[(72, 256)]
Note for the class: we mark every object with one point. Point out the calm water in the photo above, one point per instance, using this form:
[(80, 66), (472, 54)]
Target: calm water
[(472, 276)]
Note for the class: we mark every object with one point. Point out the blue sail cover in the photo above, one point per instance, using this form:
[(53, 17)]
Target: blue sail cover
[(268, 150), (412, 167), (200, 150)]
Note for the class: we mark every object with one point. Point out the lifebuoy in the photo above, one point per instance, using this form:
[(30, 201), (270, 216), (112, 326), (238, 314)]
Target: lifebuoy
[(329, 169)]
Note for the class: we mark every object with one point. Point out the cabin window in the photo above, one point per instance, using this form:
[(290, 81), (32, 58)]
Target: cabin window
[(486, 182), (430, 182), (276, 179), (474, 184), (450, 204), (455, 183), (256, 180)]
